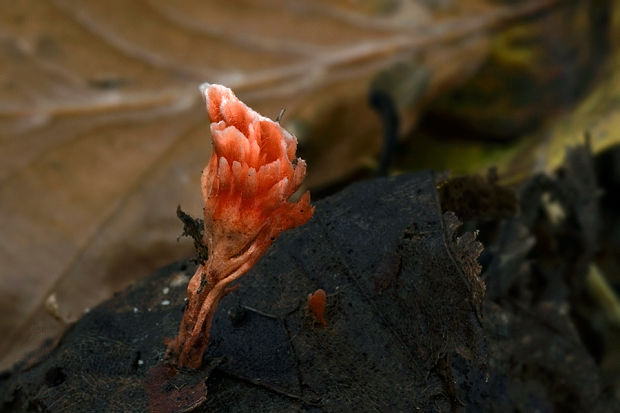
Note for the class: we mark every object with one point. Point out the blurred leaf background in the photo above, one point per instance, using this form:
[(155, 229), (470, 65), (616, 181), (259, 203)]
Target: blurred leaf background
[(103, 131)]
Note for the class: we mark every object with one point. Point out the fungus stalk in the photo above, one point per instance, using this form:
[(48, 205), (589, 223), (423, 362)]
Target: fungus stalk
[(246, 188)]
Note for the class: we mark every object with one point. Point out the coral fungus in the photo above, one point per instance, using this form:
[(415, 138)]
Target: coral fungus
[(316, 305), (246, 188)]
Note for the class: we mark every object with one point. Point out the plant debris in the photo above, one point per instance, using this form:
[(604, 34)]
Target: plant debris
[(194, 228)]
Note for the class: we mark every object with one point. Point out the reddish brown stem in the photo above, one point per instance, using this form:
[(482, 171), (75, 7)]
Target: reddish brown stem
[(193, 337), (195, 344)]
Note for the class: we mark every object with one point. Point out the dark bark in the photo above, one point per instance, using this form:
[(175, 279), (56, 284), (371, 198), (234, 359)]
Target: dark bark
[(408, 326)]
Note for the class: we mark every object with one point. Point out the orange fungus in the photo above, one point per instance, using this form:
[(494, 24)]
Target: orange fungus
[(246, 188), (316, 305)]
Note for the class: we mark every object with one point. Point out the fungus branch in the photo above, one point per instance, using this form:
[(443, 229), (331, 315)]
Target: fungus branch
[(245, 187)]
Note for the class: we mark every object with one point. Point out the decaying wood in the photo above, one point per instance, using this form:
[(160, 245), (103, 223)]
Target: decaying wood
[(403, 334)]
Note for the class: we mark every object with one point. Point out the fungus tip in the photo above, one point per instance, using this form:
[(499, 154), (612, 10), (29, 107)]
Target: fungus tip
[(203, 88)]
